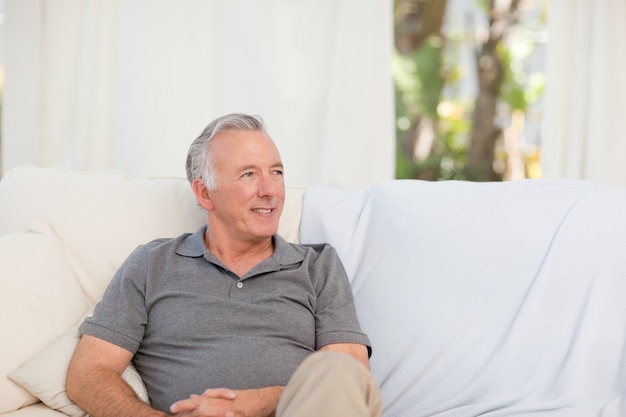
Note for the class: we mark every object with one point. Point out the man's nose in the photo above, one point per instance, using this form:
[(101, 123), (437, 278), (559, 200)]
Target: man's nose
[(267, 187)]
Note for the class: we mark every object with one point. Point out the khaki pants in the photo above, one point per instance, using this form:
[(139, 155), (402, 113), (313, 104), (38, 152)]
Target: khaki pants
[(330, 384)]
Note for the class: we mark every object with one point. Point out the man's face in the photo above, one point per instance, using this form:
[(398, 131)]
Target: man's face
[(249, 198)]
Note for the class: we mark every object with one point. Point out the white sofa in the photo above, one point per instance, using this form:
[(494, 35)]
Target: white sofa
[(494, 299)]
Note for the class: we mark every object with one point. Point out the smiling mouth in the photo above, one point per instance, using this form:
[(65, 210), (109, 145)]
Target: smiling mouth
[(262, 211)]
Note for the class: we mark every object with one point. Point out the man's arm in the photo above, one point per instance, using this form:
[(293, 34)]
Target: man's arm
[(94, 381), (357, 351), (253, 402)]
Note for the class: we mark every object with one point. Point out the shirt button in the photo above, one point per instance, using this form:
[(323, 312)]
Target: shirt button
[(239, 285)]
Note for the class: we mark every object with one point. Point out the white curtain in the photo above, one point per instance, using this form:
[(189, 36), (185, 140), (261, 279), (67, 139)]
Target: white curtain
[(583, 131), (128, 84)]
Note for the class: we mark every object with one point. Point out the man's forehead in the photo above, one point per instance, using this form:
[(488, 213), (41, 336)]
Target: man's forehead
[(237, 138), (240, 133), (248, 147)]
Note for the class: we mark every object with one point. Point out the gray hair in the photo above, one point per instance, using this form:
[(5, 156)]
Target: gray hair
[(199, 158)]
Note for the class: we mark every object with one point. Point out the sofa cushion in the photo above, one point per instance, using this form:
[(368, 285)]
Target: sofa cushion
[(39, 299), (100, 216), (44, 374)]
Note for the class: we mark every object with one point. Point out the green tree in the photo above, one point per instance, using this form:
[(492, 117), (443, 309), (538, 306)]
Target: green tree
[(445, 138)]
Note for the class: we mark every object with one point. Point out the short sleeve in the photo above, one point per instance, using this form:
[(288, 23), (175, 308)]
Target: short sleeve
[(120, 317), (335, 313)]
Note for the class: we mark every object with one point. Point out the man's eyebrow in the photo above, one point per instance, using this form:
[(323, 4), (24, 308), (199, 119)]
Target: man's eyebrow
[(249, 167)]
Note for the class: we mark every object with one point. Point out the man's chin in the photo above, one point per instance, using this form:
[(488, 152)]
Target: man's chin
[(265, 233)]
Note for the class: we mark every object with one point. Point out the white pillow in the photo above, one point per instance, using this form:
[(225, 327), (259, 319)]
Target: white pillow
[(39, 299), (45, 373)]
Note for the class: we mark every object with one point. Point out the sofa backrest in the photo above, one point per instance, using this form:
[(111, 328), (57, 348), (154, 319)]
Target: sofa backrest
[(101, 216)]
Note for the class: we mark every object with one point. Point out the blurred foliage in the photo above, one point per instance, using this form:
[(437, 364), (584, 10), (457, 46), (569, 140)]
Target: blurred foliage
[(420, 80), (434, 122), (519, 88)]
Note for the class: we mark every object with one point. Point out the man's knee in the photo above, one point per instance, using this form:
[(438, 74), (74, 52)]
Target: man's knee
[(335, 383)]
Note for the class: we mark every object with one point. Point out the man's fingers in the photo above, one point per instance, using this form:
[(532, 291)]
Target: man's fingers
[(213, 402), (225, 393), (185, 405)]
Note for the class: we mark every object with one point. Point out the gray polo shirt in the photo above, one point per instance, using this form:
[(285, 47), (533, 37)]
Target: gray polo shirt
[(193, 324)]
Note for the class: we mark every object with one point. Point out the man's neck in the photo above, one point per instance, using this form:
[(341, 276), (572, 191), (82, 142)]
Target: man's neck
[(239, 256)]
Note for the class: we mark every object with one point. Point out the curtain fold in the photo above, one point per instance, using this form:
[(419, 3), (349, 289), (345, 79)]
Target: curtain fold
[(582, 132), (128, 84)]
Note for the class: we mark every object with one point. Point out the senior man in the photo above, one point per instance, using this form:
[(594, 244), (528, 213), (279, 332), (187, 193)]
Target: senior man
[(230, 320)]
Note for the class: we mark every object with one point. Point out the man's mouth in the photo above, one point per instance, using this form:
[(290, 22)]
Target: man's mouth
[(262, 210)]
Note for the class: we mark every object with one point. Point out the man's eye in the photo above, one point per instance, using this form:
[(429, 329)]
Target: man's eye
[(247, 174), (278, 172)]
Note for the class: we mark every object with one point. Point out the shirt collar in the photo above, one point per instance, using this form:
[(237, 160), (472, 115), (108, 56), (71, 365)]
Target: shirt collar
[(192, 246)]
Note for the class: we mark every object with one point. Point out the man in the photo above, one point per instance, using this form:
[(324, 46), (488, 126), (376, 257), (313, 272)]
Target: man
[(225, 321)]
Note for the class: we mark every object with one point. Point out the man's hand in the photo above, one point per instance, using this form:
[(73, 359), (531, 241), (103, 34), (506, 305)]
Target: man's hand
[(223, 402), (212, 403)]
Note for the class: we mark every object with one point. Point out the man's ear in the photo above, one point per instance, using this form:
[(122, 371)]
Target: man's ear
[(203, 195)]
